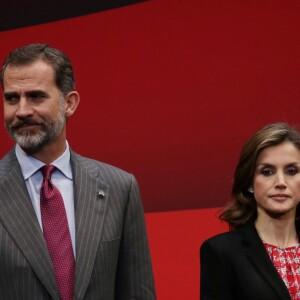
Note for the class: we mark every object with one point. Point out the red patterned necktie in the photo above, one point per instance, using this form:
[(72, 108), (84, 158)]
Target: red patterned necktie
[(57, 235)]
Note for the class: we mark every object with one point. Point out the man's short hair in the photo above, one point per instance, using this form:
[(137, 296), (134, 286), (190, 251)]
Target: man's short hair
[(61, 64)]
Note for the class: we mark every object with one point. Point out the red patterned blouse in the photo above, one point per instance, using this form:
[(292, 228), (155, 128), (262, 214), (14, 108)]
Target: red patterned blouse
[(287, 263)]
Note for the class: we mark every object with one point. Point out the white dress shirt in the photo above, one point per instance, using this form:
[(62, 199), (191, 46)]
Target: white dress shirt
[(62, 178)]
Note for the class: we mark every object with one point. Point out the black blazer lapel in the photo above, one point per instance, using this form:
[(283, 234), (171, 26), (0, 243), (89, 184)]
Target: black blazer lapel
[(91, 196), (260, 258), (19, 219)]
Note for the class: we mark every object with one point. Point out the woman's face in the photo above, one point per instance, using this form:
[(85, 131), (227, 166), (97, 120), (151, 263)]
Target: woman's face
[(276, 181)]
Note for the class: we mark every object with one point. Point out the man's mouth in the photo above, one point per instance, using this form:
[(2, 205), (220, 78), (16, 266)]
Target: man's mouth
[(25, 125)]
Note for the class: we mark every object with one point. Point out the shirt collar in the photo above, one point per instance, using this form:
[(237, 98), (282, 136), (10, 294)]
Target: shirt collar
[(30, 165)]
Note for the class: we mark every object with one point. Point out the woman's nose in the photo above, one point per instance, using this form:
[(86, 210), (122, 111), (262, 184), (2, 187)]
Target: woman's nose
[(280, 180)]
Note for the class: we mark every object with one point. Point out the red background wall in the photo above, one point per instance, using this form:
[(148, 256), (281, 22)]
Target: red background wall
[(170, 90)]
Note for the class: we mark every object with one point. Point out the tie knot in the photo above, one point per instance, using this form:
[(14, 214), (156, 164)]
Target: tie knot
[(47, 171)]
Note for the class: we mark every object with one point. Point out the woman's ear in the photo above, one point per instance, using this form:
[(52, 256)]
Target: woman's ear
[(250, 189), (71, 102)]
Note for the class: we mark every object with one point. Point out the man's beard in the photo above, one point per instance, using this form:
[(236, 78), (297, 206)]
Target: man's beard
[(32, 142)]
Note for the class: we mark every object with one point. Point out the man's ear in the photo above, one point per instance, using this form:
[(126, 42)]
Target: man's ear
[(71, 102)]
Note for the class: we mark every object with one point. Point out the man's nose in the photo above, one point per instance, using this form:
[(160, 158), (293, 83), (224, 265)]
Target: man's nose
[(24, 109)]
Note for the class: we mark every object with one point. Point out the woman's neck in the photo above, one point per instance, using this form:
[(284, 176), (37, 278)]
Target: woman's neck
[(278, 232)]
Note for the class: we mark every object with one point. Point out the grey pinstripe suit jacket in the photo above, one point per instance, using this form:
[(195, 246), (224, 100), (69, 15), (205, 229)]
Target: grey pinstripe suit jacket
[(112, 254)]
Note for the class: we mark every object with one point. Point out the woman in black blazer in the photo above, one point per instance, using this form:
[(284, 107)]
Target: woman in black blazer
[(259, 259)]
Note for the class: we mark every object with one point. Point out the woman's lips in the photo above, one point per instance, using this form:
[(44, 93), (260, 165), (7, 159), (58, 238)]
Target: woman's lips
[(280, 197)]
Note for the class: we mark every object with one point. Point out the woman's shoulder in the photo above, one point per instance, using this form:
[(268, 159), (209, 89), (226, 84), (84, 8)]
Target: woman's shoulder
[(230, 239), (223, 238)]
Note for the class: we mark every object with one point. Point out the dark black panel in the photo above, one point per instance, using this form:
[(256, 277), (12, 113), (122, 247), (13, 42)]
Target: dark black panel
[(20, 13)]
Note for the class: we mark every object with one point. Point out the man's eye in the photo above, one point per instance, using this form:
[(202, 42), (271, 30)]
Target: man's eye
[(11, 99), (267, 172), (37, 97)]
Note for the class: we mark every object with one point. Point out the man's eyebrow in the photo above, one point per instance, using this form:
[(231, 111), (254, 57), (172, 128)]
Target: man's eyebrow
[(10, 94), (28, 94), (36, 93)]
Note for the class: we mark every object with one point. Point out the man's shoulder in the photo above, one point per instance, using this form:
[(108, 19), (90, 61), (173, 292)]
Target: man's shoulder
[(7, 163), (8, 159), (99, 168)]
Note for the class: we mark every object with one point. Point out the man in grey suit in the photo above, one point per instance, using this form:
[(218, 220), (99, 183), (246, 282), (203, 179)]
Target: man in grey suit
[(101, 203)]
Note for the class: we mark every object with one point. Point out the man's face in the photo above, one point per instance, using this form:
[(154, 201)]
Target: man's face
[(34, 111)]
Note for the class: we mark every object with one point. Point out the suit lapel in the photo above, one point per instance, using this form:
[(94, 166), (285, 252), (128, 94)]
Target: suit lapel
[(260, 258), (91, 197), (18, 217)]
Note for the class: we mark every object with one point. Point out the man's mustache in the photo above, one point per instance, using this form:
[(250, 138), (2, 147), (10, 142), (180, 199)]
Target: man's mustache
[(20, 124)]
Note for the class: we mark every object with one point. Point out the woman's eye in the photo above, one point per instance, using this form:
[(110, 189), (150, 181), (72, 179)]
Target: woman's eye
[(292, 171), (267, 172)]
